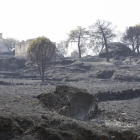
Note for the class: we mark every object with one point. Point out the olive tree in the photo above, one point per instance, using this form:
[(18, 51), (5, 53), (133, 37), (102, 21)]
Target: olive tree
[(40, 52)]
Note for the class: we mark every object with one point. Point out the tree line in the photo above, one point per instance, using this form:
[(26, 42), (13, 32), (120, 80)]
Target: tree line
[(98, 36)]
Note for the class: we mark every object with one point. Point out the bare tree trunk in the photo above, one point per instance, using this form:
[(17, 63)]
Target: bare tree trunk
[(43, 67), (79, 47), (106, 45), (133, 47), (107, 57), (137, 47)]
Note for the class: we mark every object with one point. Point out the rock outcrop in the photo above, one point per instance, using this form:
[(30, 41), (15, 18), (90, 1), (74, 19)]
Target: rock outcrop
[(116, 49), (106, 74), (47, 127), (69, 101)]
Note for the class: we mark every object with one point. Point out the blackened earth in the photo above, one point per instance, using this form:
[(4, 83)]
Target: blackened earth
[(23, 117)]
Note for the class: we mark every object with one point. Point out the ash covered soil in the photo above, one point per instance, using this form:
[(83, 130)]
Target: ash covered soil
[(116, 84)]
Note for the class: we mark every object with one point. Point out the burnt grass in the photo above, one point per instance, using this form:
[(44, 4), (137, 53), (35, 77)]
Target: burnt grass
[(23, 117)]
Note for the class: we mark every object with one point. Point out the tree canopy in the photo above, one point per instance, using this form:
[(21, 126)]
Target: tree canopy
[(40, 52)]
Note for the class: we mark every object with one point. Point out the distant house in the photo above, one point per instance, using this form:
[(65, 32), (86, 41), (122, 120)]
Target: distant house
[(22, 47)]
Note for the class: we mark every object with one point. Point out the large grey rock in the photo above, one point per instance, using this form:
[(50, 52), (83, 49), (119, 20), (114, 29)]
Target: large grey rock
[(105, 74), (69, 101), (116, 49)]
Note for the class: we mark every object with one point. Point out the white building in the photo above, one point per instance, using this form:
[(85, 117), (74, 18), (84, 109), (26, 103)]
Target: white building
[(22, 47)]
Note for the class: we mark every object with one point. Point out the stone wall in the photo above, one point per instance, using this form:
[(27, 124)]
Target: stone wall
[(120, 95)]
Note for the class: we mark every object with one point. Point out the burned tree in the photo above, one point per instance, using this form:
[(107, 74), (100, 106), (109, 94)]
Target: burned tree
[(103, 33), (137, 37), (78, 35), (40, 52), (131, 37)]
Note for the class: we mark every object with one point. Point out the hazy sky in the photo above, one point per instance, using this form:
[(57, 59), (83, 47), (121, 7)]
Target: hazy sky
[(25, 19)]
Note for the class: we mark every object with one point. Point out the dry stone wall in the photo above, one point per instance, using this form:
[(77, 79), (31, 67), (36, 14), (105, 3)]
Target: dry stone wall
[(120, 95)]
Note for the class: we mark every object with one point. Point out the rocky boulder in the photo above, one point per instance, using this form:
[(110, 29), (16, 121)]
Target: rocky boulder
[(24, 118), (116, 49), (69, 101), (106, 74)]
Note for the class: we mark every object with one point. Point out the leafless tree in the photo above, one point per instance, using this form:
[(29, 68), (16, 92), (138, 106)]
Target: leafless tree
[(137, 37), (78, 35), (102, 33), (131, 37)]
